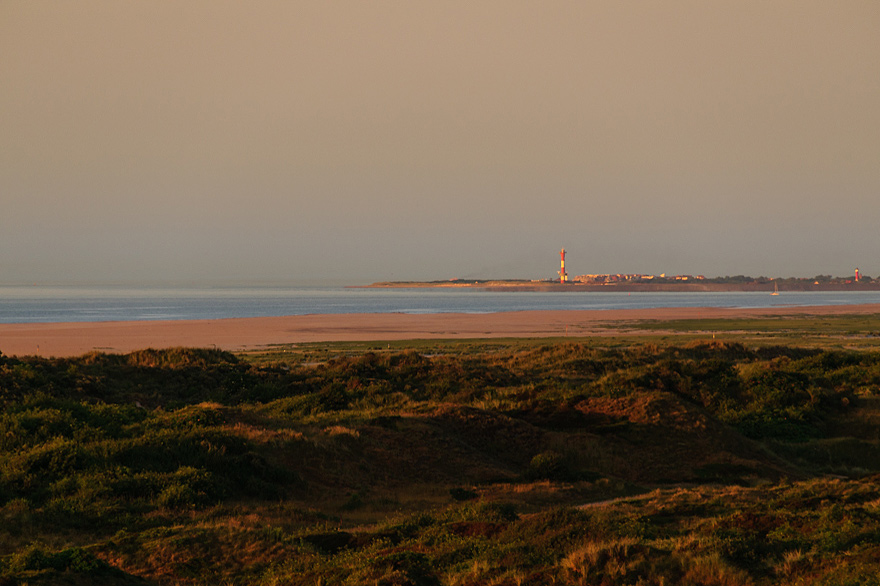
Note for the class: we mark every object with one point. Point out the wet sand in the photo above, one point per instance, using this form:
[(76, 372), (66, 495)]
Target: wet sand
[(73, 339)]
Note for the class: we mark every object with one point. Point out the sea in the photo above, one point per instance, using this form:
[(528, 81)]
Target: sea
[(43, 304)]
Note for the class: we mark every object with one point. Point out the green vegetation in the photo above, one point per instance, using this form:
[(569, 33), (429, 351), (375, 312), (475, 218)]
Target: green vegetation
[(447, 463), (829, 332)]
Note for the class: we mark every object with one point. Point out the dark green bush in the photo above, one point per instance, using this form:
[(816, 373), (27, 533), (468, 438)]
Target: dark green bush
[(35, 558), (547, 466)]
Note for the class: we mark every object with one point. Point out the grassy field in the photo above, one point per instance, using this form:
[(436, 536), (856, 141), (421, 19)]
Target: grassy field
[(852, 331), (663, 455)]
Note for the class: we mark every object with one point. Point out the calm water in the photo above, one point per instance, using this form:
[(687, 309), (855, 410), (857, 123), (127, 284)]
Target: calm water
[(64, 304)]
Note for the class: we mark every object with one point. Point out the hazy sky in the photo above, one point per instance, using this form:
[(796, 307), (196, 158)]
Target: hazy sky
[(291, 141)]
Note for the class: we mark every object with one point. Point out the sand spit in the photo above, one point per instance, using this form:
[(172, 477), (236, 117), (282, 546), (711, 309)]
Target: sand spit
[(72, 339)]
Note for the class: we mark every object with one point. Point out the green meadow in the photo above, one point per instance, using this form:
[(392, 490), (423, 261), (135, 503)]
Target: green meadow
[(720, 452)]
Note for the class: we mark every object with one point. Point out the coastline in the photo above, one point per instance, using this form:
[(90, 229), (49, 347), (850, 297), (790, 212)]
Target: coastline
[(235, 334), (694, 286)]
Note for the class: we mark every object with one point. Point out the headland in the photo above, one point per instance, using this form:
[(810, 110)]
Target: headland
[(628, 284)]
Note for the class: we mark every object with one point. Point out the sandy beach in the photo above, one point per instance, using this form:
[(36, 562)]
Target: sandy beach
[(72, 339)]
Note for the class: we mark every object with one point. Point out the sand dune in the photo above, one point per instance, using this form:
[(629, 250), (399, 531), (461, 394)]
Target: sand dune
[(71, 339)]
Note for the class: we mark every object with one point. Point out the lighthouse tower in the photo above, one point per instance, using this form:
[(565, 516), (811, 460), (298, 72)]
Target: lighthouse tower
[(563, 276), (857, 275)]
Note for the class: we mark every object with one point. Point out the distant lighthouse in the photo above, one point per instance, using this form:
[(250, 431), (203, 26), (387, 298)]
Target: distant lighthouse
[(857, 275), (563, 276)]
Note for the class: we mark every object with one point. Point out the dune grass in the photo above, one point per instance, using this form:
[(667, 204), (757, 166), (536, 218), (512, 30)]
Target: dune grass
[(595, 461)]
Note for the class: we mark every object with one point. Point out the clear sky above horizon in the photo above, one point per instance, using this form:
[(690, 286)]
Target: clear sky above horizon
[(350, 142)]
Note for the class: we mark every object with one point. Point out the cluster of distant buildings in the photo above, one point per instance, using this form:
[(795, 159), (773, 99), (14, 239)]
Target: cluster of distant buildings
[(633, 278), (621, 278), (662, 277)]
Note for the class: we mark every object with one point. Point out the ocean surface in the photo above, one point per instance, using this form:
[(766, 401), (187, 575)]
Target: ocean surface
[(40, 304)]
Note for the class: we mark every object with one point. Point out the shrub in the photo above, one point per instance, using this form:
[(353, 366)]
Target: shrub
[(36, 558), (547, 466), (189, 487)]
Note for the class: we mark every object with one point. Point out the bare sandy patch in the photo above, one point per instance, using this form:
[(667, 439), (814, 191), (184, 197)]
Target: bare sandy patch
[(72, 339)]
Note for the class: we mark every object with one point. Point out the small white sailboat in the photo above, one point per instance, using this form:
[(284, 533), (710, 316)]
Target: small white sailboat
[(775, 289)]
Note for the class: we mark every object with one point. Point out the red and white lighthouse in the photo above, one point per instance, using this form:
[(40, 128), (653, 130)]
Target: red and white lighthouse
[(563, 276), (857, 275)]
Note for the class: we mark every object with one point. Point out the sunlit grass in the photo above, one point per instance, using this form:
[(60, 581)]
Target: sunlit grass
[(659, 458)]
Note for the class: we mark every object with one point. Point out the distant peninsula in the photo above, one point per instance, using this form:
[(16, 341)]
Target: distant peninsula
[(648, 283)]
